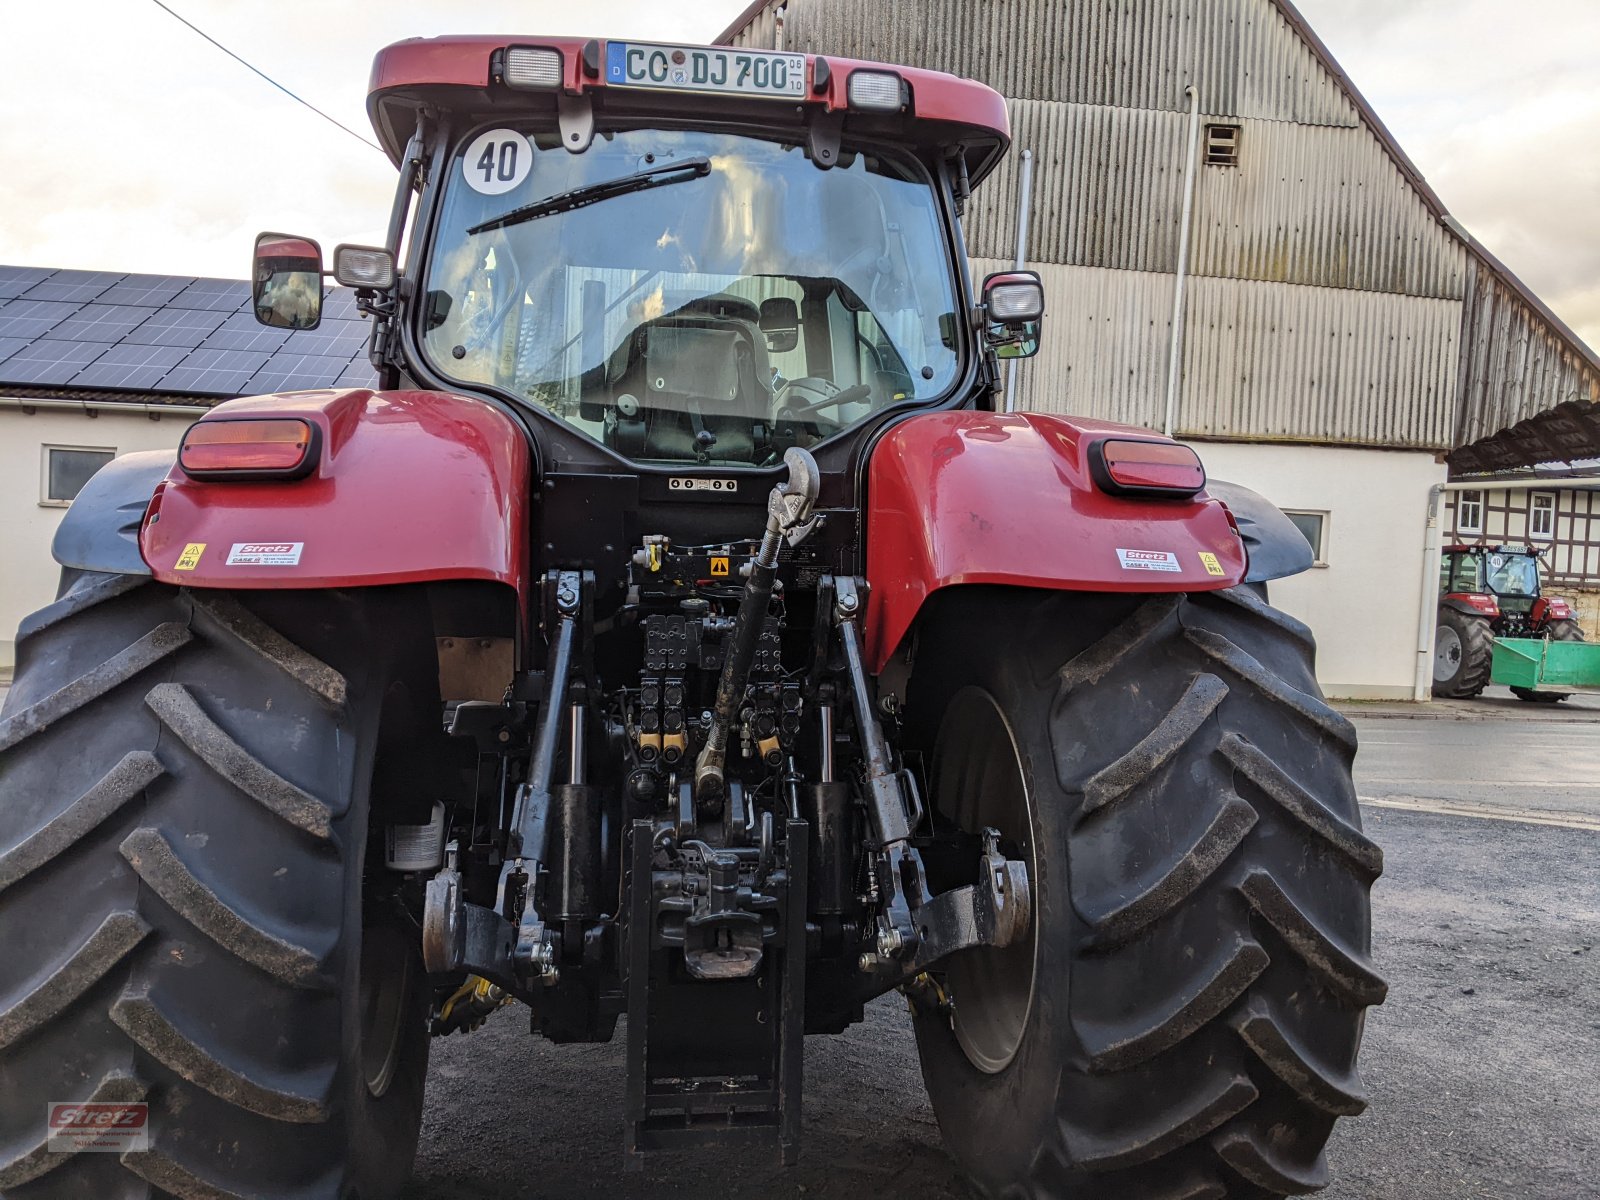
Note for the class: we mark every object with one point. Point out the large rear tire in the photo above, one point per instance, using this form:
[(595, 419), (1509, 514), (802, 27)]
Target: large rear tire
[(1183, 1020), (183, 826), (1463, 655)]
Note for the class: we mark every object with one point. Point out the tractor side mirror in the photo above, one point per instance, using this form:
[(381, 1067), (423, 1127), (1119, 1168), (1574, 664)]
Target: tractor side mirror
[(1013, 307), (286, 281)]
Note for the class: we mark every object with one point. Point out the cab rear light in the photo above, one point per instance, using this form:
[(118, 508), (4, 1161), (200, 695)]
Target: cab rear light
[(875, 91), (1125, 467), (533, 68), (271, 448)]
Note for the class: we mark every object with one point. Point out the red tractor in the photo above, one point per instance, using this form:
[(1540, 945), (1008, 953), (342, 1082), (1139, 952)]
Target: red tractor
[(1487, 592), (679, 631)]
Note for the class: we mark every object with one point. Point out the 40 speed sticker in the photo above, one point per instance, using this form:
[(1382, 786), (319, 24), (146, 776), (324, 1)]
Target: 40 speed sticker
[(496, 161), (1148, 560)]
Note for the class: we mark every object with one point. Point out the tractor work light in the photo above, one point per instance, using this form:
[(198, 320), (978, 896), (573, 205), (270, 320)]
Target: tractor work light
[(875, 91), (274, 448), (1021, 300), (532, 68), (1124, 467), (363, 267)]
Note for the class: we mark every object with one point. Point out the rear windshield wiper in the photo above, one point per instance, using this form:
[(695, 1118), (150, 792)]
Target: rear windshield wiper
[(593, 193)]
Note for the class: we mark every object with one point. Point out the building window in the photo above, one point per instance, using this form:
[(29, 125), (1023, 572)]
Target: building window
[(67, 469), (1469, 512), (1313, 526), (1542, 516), (1222, 145)]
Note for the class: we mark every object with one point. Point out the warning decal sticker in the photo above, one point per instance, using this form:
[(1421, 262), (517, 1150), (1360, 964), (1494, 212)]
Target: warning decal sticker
[(719, 566), (265, 554), (1210, 563), (1148, 560), (190, 558)]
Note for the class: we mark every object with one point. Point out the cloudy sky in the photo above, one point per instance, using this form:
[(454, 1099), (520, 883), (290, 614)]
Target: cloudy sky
[(129, 143)]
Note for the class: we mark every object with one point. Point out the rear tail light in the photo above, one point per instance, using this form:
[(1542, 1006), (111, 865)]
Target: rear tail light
[(272, 448), (1124, 467)]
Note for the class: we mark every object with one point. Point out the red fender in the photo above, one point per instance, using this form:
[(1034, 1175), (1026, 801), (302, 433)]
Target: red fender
[(409, 486), (973, 497)]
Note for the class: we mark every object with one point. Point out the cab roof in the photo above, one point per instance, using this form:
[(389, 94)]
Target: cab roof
[(466, 72)]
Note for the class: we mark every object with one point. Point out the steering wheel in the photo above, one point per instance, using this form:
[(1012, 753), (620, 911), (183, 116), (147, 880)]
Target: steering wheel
[(813, 383)]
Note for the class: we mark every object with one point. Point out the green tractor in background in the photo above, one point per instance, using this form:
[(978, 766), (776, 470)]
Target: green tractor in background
[(1490, 599)]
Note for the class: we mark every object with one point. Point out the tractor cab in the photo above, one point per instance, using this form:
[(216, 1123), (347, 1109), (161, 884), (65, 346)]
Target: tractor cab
[(1502, 583), (686, 256)]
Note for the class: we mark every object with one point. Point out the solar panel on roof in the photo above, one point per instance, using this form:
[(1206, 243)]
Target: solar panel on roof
[(340, 305), (285, 372), (98, 322), (213, 372), (357, 374), (16, 280), (218, 295), (47, 361), (331, 337), (152, 290), (167, 333), (129, 366), (186, 327), (242, 331), (73, 286), (33, 318)]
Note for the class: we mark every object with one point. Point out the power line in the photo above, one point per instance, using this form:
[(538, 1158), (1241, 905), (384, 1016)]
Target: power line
[(268, 78)]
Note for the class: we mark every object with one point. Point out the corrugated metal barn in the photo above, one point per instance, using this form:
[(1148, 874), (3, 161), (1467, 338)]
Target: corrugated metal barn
[(1341, 335)]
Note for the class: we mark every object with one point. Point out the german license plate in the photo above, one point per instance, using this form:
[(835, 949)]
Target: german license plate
[(704, 69)]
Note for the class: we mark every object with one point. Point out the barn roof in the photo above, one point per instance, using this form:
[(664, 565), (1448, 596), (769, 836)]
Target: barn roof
[(1527, 389), (143, 337)]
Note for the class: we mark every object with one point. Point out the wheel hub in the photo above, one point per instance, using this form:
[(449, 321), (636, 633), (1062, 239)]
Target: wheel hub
[(1446, 653), (979, 779)]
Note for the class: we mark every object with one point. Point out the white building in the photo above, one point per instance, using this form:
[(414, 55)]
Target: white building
[(1345, 343)]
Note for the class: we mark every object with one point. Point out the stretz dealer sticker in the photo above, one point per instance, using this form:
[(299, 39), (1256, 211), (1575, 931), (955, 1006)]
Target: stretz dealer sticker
[(1148, 560), (265, 554)]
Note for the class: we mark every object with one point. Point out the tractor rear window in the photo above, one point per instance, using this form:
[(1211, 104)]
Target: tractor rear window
[(691, 297)]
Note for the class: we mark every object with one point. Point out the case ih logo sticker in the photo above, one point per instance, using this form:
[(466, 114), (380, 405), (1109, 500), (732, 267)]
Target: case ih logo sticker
[(265, 554), (682, 483), (1148, 560), (77, 1128), (190, 558)]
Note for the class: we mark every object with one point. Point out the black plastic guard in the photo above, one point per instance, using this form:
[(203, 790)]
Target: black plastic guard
[(101, 530), (1276, 549)]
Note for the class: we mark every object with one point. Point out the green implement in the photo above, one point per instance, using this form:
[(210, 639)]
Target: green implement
[(1541, 665)]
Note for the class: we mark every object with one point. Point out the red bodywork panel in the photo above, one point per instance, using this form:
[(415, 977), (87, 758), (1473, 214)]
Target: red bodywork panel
[(463, 61), (1549, 608), (408, 486), (972, 497), (1483, 602)]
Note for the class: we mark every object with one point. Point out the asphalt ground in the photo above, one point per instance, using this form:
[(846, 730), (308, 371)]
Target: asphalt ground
[(1483, 1066)]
